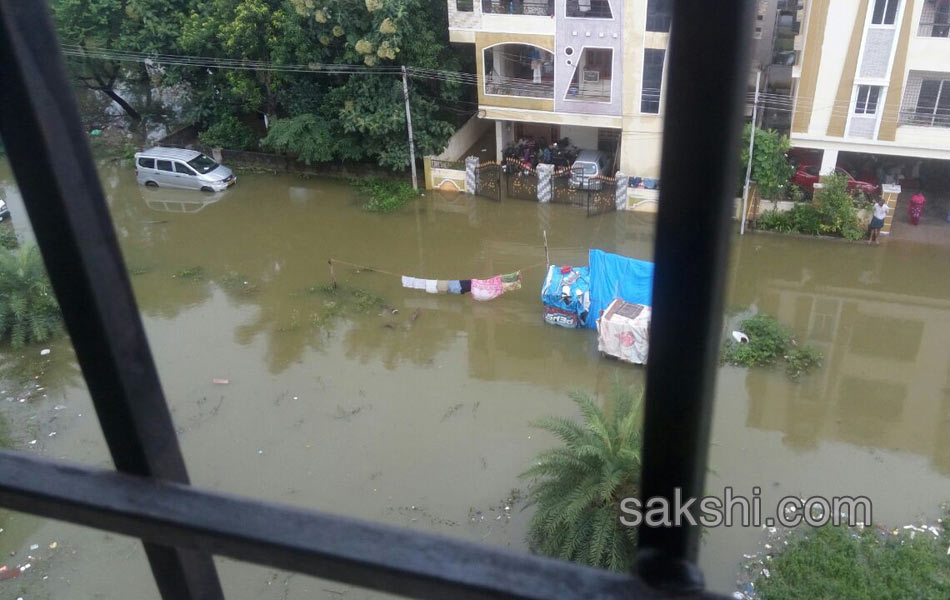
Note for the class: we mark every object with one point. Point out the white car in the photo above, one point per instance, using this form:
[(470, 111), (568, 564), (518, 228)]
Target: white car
[(180, 168)]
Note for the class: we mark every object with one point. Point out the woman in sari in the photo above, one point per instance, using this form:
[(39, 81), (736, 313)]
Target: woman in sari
[(916, 208)]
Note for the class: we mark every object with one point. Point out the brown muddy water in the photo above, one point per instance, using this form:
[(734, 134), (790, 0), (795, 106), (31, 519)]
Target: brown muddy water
[(424, 422)]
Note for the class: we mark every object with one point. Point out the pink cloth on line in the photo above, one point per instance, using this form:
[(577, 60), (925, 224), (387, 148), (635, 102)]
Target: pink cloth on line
[(487, 289)]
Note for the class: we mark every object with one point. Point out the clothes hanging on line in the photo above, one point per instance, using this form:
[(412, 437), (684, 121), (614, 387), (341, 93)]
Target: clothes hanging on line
[(455, 287)]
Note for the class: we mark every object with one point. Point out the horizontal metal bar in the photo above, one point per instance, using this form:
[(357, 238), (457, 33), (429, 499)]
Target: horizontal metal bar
[(361, 553)]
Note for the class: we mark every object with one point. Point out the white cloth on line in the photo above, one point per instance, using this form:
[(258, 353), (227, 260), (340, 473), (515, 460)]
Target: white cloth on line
[(430, 285)]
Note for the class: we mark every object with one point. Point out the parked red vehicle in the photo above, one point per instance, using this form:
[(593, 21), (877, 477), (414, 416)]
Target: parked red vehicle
[(806, 176)]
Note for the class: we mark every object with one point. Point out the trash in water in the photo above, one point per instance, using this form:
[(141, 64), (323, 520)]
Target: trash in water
[(35, 547), (44, 351), (260, 452), (59, 407), (220, 381), (53, 545), (740, 337), (51, 434), (33, 442)]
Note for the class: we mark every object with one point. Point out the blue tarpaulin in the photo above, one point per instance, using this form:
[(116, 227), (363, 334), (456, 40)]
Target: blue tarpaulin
[(614, 276)]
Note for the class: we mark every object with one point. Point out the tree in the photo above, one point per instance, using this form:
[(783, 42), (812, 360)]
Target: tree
[(770, 167), (139, 25), (578, 487)]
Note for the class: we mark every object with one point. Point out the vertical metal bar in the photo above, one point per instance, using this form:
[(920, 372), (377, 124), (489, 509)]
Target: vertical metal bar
[(707, 78), (40, 124)]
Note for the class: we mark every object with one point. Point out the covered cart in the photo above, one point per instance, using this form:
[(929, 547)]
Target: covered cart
[(624, 331)]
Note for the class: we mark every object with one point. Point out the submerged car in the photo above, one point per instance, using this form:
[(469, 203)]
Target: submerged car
[(806, 176), (587, 170), (181, 168)]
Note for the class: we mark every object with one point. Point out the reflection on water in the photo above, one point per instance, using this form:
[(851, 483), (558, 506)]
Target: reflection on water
[(419, 416)]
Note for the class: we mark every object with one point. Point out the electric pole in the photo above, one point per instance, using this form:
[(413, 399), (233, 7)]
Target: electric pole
[(748, 169), (412, 145)]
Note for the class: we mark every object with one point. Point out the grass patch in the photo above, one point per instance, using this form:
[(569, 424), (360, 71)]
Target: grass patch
[(769, 342), (383, 195), (860, 564), (235, 282), (339, 302), (193, 273)]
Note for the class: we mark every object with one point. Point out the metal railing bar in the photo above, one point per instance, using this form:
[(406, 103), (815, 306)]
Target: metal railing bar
[(40, 124), (361, 553), (704, 105)]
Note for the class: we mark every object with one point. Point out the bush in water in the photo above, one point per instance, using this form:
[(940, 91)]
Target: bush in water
[(28, 308)]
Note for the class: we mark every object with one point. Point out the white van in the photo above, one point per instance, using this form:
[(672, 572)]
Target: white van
[(180, 168), (587, 169)]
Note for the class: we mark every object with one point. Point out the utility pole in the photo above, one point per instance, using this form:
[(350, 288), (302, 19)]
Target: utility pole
[(412, 145), (748, 169)]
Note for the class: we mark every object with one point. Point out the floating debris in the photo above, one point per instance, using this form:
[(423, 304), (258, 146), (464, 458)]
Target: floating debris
[(44, 351), (220, 381)]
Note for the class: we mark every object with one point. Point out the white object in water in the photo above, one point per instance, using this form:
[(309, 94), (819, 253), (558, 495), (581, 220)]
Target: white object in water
[(740, 337), (44, 351)]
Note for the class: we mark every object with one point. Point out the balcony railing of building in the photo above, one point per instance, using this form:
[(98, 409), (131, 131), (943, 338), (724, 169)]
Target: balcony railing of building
[(544, 8), (937, 118), (937, 30), (517, 86), (589, 9)]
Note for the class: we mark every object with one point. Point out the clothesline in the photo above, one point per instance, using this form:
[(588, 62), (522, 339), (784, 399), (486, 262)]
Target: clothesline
[(399, 275)]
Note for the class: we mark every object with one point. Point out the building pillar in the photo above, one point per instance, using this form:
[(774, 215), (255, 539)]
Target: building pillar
[(499, 140), (829, 160), (545, 180), (890, 193), (471, 174), (623, 183)]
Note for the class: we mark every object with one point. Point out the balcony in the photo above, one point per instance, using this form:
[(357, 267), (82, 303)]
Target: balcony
[(543, 8), (519, 70), (592, 76), (938, 118), (589, 9)]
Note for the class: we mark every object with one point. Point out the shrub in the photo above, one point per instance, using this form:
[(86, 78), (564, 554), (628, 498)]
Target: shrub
[(806, 219), (835, 206), (800, 361), (306, 136), (776, 221), (770, 167), (578, 487), (768, 340), (8, 237), (28, 308), (384, 195), (859, 564), (229, 132)]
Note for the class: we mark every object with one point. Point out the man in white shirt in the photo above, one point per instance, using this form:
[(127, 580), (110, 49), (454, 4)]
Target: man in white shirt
[(877, 221)]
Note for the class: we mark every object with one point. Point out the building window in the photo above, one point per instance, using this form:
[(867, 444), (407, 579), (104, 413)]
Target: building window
[(592, 76), (933, 103), (519, 70), (589, 9), (885, 12), (519, 7), (868, 96), (652, 80), (659, 15), (935, 19), (464, 5)]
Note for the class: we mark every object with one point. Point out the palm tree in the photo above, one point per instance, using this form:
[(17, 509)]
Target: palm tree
[(28, 308), (578, 487)]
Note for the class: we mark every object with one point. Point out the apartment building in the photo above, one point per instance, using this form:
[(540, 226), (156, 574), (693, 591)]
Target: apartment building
[(872, 88), (588, 70)]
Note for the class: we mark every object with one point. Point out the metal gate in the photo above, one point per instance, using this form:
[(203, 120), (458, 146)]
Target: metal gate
[(521, 181), (563, 193), (488, 181), (601, 196)]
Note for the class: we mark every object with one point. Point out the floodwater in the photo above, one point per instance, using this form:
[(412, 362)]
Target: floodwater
[(420, 418)]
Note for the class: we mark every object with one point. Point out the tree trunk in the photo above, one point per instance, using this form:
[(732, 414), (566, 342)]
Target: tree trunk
[(133, 114)]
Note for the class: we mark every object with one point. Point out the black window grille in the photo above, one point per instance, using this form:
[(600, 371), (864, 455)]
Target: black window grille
[(659, 15), (652, 80), (148, 495)]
